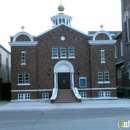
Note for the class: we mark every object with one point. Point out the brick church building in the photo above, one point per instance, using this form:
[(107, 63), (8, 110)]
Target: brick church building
[(63, 64)]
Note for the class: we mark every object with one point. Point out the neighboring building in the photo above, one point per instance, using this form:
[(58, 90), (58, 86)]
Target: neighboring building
[(5, 71), (63, 59), (125, 4), (119, 57)]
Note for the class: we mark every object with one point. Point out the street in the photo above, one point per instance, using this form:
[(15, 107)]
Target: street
[(78, 119)]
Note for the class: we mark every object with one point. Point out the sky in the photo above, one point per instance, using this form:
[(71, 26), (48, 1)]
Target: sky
[(34, 15)]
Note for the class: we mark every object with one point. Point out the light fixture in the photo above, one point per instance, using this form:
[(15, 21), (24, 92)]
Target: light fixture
[(78, 71), (49, 72)]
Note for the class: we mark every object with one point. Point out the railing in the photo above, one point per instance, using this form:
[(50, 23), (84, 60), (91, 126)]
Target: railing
[(54, 94), (76, 92)]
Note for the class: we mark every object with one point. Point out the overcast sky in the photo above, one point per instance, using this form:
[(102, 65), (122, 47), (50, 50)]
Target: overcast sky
[(35, 15)]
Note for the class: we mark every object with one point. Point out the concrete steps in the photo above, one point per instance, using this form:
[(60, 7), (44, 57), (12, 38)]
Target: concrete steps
[(66, 96)]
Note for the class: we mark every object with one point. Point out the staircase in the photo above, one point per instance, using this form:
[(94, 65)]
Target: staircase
[(66, 96)]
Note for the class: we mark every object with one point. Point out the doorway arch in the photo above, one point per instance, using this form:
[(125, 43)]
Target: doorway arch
[(63, 67)]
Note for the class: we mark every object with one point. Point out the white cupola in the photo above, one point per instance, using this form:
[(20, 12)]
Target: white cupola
[(61, 17)]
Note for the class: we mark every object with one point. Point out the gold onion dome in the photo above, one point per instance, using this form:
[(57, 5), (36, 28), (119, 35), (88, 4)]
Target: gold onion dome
[(61, 8)]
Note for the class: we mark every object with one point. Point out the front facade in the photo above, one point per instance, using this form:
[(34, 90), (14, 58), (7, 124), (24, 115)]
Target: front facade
[(125, 4), (62, 58)]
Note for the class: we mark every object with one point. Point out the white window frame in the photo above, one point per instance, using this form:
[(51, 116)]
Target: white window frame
[(24, 96), (71, 52), (20, 78), (23, 58), (26, 78), (63, 52), (45, 95), (55, 52), (103, 56), (83, 95), (100, 76), (23, 79), (80, 79), (106, 76), (104, 94), (121, 48)]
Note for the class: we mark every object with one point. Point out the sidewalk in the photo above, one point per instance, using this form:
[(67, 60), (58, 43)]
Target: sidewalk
[(46, 105)]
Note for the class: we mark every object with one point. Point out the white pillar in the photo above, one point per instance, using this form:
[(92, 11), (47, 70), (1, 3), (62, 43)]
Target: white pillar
[(55, 80), (72, 78)]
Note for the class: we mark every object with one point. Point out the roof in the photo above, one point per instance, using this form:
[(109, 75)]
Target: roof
[(4, 49), (64, 25)]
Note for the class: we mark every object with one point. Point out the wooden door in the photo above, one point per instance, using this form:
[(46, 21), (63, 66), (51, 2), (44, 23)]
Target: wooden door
[(63, 80)]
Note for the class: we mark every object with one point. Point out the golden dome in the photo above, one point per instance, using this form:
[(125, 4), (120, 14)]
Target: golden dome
[(61, 8)]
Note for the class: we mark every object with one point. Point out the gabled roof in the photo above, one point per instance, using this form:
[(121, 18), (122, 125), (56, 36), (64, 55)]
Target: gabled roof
[(61, 25)]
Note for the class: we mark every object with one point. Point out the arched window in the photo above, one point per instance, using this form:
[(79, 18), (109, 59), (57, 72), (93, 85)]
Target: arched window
[(100, 76), (106, 75), (54, 51), (62, 51), (71, 52), (121, 47)]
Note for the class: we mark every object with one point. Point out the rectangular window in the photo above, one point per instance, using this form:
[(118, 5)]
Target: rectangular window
[(20, 78), (24, 96), (105, 94), (106, 76), (23, 78), (100, 76), (103, 56), (0, 61), (26, 77), (83, 94), (82, 82), (45, 95), (23, 58)]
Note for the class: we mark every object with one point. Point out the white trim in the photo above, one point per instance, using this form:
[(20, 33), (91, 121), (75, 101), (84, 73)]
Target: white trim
[(54, 57), (97, 88), (26, 84), (23, 63), (109, 98), (102, 42), (63, 57), (32, 90), (71, 57), (60, 25), (23, 43), (106, 82), (104, 32), (22, 33)]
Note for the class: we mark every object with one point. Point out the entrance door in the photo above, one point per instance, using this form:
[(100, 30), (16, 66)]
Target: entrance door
[(63, 80)]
